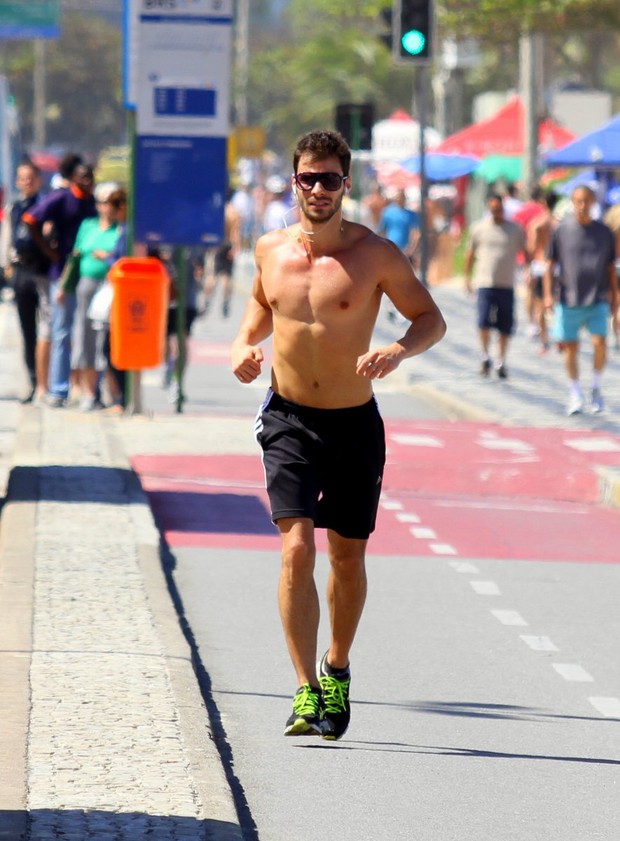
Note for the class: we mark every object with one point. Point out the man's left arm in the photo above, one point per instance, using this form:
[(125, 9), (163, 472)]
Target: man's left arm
[(414, 302), (614, 295)]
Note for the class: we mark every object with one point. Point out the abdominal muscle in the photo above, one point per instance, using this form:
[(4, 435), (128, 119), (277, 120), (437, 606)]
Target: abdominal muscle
[(313, 370)]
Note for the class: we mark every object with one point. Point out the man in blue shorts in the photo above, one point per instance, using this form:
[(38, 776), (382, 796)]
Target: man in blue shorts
[(318, 289), (584, 251), (491, 258)]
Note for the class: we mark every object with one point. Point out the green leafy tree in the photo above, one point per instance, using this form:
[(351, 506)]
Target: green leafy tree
[(329, 51), (83, 84)]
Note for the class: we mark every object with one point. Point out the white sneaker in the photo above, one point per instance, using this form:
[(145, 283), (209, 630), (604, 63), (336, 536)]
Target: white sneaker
[(575, 405), (597, 404)]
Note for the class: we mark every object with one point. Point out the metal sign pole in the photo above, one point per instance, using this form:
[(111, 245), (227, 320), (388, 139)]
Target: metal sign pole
[(421, 78), (180, 265)]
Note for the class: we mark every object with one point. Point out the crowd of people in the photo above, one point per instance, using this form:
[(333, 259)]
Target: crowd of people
[(518, 245), (76, 226), (570, 267)]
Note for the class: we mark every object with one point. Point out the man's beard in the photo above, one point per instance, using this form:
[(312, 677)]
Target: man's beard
[(322, 214)]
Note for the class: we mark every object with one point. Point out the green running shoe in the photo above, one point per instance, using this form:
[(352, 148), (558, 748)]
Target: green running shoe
[(335, 690), (307, 716)]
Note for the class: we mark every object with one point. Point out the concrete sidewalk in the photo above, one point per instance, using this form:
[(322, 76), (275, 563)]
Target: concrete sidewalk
[(105, 734)]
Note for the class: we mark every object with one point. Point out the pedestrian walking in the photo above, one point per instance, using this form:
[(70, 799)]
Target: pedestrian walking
[(27, 266), (400, 224), (538, 236), (585, 293), (318, 288), (278, 211), (95, 241), (65, 208), (223, 263), (490, 266)]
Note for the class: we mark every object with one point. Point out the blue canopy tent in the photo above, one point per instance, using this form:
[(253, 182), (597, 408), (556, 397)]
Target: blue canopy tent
[(599, 149), (442, 167)]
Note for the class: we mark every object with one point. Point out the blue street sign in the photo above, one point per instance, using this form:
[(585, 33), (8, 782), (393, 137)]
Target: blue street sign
[(180, 189)]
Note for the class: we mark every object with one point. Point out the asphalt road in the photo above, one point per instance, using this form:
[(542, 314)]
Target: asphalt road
[(486, 675)]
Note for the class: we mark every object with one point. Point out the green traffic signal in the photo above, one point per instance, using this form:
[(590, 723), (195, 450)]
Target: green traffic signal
[(413, 42)]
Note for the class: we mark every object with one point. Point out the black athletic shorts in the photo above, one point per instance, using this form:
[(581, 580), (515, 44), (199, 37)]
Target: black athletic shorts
[(223, 262), (496, 309), (325, 464), (171, 324)]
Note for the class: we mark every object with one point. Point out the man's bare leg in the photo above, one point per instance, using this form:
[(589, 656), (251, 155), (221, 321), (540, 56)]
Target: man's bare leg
[(571, 360), (346, 594), (42, 365), (297, 596)]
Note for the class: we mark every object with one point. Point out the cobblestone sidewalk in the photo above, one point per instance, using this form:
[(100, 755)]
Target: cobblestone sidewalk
[(118, 739)]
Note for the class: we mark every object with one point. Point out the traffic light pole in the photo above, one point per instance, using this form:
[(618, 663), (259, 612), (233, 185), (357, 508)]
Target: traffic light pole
[(421, 97)]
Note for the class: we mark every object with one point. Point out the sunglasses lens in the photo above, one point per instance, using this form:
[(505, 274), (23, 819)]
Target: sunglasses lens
[(329, 180), (306, 180)]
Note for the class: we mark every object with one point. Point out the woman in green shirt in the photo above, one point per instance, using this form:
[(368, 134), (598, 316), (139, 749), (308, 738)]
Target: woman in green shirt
[(95, 242)]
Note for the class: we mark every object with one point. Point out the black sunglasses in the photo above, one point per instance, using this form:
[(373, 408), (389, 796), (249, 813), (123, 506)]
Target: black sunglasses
[(329, 180)]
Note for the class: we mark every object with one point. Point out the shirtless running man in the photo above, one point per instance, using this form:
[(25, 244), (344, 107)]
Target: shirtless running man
[(318, 288)]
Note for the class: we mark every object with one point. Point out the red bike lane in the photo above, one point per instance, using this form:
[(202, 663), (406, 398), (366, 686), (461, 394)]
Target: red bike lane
[(451, 489)]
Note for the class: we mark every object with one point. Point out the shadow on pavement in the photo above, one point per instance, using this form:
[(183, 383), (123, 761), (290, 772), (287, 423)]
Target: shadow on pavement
[(48, 824), (223, 513), (72, 483)]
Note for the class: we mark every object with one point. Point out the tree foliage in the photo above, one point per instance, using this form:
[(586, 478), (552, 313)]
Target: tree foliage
[(330, 51), (501, 19), (83, 84)]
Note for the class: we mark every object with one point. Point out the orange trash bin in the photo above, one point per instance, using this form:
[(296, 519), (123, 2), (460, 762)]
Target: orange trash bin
[(139, 313)]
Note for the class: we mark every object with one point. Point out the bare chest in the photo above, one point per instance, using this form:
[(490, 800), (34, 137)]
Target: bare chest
[(319, 290)]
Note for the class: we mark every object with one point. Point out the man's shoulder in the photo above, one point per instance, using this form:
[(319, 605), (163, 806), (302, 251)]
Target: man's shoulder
[(602, 226), (274, 239), (51, 201)]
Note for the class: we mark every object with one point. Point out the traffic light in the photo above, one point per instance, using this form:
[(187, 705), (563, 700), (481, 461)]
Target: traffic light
[(354, 122), (413, 31)]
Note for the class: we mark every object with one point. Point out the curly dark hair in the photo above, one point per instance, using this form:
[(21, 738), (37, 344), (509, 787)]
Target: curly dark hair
[(321, 144)]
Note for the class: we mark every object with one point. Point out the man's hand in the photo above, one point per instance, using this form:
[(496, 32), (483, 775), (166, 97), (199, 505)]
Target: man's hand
[(246, 362), (377, 364)]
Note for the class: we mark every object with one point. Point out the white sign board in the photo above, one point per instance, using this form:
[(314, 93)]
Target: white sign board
[(177, 66)]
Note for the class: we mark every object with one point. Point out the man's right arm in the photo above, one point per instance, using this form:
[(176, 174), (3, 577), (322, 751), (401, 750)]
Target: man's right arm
[(468, 267), (548, 299), (36, 231), (256, 325)]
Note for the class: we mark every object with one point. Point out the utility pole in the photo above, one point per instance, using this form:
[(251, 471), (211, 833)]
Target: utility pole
[(242, 50), (421, 79), (39, 85), (529, 50)]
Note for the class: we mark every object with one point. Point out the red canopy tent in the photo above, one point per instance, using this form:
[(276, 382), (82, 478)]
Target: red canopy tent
[(504, 134)]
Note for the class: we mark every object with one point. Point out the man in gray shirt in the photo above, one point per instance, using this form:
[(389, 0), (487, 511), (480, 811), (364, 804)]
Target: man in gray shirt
[(584, 251), (492, 251)]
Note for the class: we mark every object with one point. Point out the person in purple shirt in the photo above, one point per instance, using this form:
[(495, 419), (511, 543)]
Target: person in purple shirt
[(65, 209)]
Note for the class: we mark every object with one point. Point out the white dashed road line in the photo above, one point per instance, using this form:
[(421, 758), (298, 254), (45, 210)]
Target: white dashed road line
[(485, 588), (539, 643), (509, 617), (609, 707), (574, 672), (404, 517), (606, 706), (464, 567), (423, 533), (443, 549), (391, 505)]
